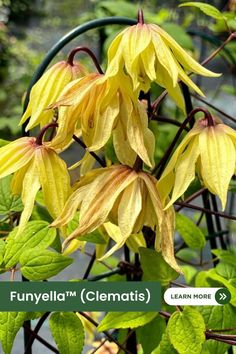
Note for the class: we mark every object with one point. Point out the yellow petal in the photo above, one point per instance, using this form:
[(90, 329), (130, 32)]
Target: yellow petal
[(185, 170), (140, 137), (135, 241), (114, 232), (129, 208), (165, 57), (164, 239), (30, 188), (46, 91), (100, 197), (182, 56), (15, 155), (104, 124), (217, 161), (54, 179)]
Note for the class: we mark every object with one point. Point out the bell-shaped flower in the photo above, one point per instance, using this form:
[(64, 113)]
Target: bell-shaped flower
[(209, 150), (127, 198), (103, 106), (35, 166), (46, 91), (149, 54)]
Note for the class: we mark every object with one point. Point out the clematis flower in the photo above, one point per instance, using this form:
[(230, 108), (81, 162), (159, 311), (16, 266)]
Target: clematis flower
[(149, 54), (127, 198), (46, 91), (209, 150), (35, 166), (102, 106)]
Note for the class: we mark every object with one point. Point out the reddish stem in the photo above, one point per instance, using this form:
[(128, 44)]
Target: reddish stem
[(140, 17), (39, 140), (76, 50)]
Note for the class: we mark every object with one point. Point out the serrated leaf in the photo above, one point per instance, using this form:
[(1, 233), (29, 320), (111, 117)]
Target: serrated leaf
[(10, 324), (218, 317), (37, 234), (8, 201), (207, 9), (145, 334), (125, 320), (155, 268), (186, 331), (42, 264), (67, 331), (191, 234)]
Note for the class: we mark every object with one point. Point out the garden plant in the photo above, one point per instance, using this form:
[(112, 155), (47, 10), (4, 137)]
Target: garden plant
[(140, 169)]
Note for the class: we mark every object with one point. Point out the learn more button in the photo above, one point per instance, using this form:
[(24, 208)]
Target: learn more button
[(197, 296)]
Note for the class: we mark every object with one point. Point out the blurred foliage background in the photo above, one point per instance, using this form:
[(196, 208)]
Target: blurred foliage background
[(29, 28)]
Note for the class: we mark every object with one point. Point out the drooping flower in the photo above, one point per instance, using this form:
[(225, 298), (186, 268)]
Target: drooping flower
[(46, 91), (34, 167), (127, 198), (208, 150), (102, 106), (149, 54)]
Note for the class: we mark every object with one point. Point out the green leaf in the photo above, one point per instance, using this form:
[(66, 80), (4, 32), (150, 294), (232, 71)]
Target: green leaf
[(226, 256), (145, 334), (207, 9), (42, 264), (37, 234), (125, 320), (165, 346), (218, 317), (110, 153), (93, 237), (67, 331), (186, 330), (10, 324), (188, 254), (191, 234), (155, 268), (8, 201), (2, 250), (189, 273)]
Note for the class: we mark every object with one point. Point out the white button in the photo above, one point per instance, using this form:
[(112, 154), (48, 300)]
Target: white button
[(191, 296)]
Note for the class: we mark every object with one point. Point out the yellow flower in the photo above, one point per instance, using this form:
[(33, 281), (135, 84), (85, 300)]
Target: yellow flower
[(208, 149), (149, 54), (127, 198), (34, 167), (46, 91), (102, 106)]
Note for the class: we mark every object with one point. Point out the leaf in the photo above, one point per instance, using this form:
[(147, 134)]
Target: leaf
[(155, 268), (207, 9), (93, 237), (8, 201), (186, 330), (37, 234), (191, 234), (67, 331), (125, 320), (226, 256), (4, 142), (189, 273), (10, 324), (42, 264), (145, 334), (165, 346), (2, 250), (218, 317)]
